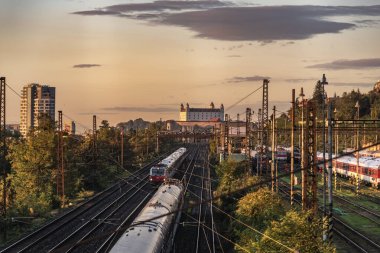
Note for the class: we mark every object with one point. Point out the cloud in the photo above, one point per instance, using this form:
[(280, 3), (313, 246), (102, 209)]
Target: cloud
[(149, 10), (97, 12), (349, 64), (81, 66), (241, 79), (141, 109), (266, 24), (300, 80), (365, 85), (222, 21)]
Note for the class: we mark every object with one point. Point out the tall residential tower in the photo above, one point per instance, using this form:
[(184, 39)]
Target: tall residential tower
[(36, 100)]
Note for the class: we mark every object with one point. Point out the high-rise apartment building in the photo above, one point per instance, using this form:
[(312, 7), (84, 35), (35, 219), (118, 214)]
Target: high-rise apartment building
[(36, 100)]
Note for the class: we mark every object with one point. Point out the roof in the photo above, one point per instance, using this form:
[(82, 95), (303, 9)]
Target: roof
[(204, 110)]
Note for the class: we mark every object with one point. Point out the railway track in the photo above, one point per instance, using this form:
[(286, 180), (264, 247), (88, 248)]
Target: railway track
[(361, 210), (361, 242), (195, 235), (204, 236), (48, 237), (352, 188)]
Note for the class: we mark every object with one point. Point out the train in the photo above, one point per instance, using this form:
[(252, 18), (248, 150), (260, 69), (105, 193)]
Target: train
[(154, 236), (345, 166), (166, 168)]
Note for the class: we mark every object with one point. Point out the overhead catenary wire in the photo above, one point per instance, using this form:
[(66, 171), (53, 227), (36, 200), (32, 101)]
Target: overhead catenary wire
[(242, 99), (14, 91), (252, 228), (261, 183)]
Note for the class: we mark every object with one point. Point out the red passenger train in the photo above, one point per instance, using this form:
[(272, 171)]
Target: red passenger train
[(369, 168), (166, 168)]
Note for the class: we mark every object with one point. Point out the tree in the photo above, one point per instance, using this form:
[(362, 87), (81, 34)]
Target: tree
[(33, 172), (299, 231), (259, 208), (318, 98)]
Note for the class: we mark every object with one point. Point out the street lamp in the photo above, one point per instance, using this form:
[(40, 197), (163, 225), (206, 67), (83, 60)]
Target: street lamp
[(357, 105)]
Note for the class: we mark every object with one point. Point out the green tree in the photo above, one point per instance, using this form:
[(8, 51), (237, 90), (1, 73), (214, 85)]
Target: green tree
[(298, 231), (259, 208), (33, 162)]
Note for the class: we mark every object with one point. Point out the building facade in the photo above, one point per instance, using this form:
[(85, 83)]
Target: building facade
[(36, 100), (201, 114)]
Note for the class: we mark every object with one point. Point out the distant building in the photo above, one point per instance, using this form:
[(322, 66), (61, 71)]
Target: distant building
[(13, 128), (36, 100), (70, 127), (201, 114)]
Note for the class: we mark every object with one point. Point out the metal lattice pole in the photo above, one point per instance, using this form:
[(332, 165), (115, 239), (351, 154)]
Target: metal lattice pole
[(312, 201), (260, 144), (273, 164), (329, 181), (248, 136), (60, 160), (3, 149), (226, 137), (292, 149), (357, 148), (94, 146), (265, 123)]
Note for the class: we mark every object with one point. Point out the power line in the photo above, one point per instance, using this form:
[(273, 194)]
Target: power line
[(261, 183), (264, 182), (70, 118), (15, 92), (252, 228), (242, 99)]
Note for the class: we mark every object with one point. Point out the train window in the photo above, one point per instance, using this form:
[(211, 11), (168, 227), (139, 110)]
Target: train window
[(158, 172)]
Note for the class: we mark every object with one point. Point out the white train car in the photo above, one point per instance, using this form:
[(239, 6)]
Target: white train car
[(150, 236), (166, 168)]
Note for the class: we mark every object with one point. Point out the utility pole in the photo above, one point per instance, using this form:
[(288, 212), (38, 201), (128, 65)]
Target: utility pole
[(226, 137), (122, 148), (330, 190), (357, 105), (336, 145), (157, 143), (324, 82), (264, 123), (60, 160), (311, 158), (147, 142), (304, 159), (3, 152), (259, 144), (273, 164), (292, 149), (94, 148), (248, 145)]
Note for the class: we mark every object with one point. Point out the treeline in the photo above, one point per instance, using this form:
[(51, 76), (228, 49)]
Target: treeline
[(343, 109), (89, 167), (344, 106), (258, 220)]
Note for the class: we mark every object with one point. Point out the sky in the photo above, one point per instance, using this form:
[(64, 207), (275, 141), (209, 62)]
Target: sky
[(126, 59)]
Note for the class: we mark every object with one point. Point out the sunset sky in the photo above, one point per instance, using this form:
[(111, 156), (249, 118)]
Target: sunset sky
[(124, 59)]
